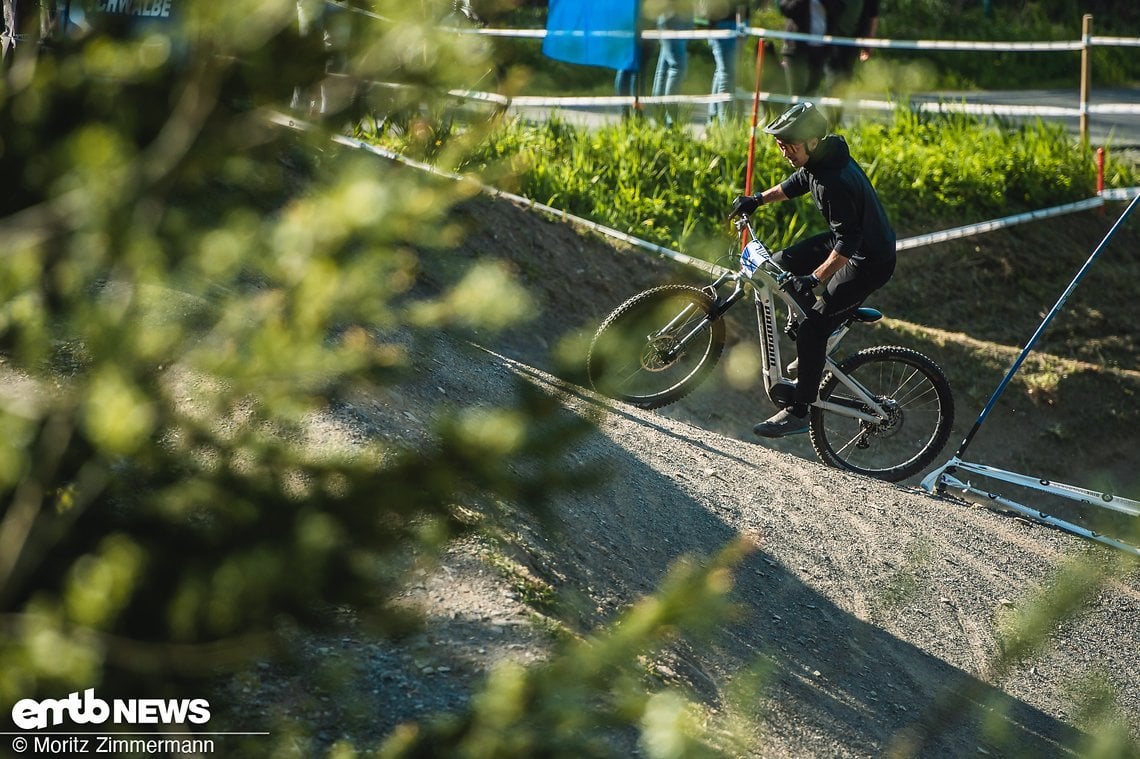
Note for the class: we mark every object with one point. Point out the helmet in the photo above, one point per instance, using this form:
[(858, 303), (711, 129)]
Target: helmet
[(800, 123)]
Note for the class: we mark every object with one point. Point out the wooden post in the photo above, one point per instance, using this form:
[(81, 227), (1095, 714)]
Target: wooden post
[(1086, 75)]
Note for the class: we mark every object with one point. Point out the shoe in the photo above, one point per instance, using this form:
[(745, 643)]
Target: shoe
[(782, 424)]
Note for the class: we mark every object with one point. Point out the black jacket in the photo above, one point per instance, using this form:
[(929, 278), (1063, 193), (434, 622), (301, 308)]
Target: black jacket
[(798, 15), (844, 195)]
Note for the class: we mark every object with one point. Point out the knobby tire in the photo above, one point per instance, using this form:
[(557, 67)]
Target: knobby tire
[(920, 402), (630, 359)]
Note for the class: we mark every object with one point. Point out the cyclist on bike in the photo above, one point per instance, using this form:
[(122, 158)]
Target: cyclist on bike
[(855, 257)]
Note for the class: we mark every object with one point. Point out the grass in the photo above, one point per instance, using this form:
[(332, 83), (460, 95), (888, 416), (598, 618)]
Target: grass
[(661, 184)]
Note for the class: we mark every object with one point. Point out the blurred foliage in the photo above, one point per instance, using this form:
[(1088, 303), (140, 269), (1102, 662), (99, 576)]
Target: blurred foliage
[(190, 293)]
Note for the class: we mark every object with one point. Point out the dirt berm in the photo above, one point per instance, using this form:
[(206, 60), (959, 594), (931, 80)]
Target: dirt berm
[(875, 609)]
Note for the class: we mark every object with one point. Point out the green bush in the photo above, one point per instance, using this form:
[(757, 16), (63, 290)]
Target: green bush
[(661, 184)]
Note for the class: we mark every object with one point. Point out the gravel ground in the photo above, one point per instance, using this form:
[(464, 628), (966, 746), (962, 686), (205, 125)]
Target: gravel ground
[(876, 607)]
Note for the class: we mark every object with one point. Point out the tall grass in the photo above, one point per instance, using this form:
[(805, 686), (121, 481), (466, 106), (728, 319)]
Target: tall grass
[(669, 187)]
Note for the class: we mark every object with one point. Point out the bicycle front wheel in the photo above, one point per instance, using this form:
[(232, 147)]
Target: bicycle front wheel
[(913, 391), (656, 347)]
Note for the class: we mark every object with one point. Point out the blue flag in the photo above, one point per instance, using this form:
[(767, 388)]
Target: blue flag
[(593, 32)]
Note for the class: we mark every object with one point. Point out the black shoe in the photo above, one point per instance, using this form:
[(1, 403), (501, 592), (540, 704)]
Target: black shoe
[(782, 424)]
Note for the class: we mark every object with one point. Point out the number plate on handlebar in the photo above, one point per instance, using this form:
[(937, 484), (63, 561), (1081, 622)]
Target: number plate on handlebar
[(754, 254)]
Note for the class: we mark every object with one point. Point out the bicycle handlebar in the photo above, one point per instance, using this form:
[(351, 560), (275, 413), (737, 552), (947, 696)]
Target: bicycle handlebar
[(780, 276)]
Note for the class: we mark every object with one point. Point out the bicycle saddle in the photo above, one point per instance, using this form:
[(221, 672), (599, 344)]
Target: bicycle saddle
[(866, 315)]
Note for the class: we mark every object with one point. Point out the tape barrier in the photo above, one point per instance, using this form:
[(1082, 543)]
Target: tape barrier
[(994, 224), (827, 39), (865, 42), (861, 104), (749, 31)]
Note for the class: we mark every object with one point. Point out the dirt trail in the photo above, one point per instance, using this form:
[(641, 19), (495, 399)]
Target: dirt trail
[(871, 606)]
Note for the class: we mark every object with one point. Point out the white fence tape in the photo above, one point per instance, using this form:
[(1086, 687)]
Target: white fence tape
[(863, 104), (958, 45), (827, 39), (746, 31), (775, 34), (989, 226)]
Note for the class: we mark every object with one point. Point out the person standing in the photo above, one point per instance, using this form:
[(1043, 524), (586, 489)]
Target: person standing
[(855, 257), (854, 18), (720, 15), (672, 59), (629, 81), (804, 62)]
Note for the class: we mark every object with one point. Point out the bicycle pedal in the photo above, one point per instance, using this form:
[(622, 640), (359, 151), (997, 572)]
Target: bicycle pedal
[(782, 394)]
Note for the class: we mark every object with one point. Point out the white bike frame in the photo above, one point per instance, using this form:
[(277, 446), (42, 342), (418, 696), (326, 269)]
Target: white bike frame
[(759, 273)]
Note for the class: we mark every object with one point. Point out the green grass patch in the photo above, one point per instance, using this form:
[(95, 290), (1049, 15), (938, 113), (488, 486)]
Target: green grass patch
[(664, 185)]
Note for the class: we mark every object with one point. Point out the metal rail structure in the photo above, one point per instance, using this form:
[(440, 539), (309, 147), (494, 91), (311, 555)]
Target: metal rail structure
[(948, 477)]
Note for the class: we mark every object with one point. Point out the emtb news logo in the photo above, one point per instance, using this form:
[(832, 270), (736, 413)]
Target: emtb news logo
[(29, 714)]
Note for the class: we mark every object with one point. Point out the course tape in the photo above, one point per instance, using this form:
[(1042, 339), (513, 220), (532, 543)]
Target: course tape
[(904, 244), (866, 42), (827, 39)]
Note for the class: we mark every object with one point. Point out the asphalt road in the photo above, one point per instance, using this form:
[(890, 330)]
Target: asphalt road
[(1116, 130), (1112, 129)]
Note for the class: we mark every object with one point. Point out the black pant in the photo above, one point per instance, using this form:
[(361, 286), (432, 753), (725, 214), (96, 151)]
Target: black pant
[(804, 69), (845, 291)]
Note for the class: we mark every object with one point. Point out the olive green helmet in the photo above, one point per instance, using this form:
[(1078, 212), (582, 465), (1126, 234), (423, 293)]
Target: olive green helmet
[(800, 123)]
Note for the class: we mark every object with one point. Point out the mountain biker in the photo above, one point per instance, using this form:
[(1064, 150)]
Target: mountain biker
[(855, 257)]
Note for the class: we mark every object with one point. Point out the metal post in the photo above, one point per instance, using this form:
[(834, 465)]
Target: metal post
[(1086, 74)]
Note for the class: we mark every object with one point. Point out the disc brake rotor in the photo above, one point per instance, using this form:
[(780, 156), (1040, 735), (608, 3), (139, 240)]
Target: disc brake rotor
[(658, 354)]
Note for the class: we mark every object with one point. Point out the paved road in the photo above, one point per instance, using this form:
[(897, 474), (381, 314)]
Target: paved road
[(1113, 129)]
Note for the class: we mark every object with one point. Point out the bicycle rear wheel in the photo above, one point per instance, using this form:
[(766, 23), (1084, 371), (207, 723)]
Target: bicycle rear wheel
[(917, 398), (656, 347)]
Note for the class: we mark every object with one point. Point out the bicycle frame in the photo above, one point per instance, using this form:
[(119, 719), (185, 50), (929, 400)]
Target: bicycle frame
[(760, 276), (883, 411)]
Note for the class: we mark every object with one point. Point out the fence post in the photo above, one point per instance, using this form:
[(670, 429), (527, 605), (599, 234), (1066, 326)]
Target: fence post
[(1086, 74)]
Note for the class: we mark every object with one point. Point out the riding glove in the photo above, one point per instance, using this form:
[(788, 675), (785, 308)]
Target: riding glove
[(744, 204), (801, 289), (804, 284)]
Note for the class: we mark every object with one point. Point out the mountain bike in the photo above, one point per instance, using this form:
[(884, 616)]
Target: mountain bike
[(884, 412)]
